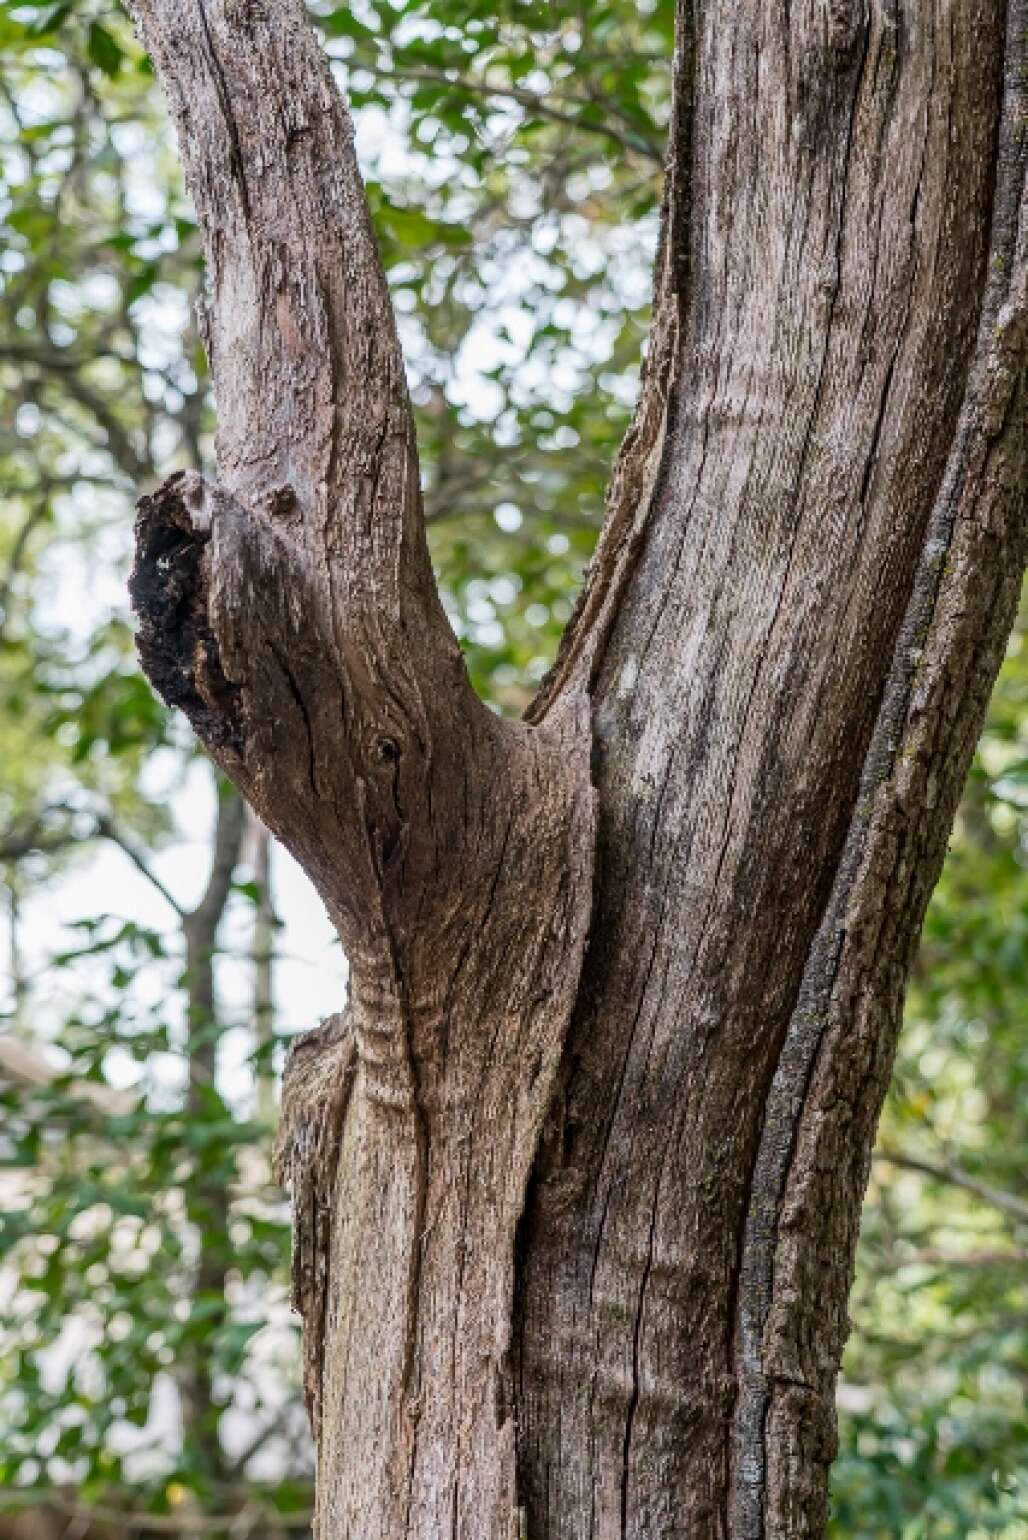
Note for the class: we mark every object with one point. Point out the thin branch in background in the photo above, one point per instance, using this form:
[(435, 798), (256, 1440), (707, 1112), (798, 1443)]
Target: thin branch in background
[(138, 467), (38, 837), (1006, 1202), (934, 1256), (279, 1424), (634, 142), (56, 360), (442, 500), (572, 522), (15, 960), (18, 551), (245, 1521), (35, 838), (228, 836), (53, 363), (106, 829), (257, 855)]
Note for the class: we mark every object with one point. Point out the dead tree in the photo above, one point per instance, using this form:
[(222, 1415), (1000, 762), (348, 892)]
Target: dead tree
[(577, 1172)]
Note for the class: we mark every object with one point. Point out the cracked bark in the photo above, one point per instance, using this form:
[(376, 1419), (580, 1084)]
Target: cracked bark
[(577, 1172)]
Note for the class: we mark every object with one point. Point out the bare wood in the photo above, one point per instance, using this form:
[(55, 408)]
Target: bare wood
[(291, 611), (777, 669), (688, 1252)]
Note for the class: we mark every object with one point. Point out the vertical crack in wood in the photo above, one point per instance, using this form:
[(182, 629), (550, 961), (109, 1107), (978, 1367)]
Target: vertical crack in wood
[(633, 1401), (637, 471)]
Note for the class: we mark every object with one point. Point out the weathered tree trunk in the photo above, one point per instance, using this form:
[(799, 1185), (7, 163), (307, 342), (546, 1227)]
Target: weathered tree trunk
[(577, 1173)]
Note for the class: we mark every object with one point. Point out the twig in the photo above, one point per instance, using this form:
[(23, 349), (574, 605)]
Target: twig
[(278, 1424), (21, 540), (1006, 1202), (933, 1256), (35, 836), (242, 1522), (635, 143), (106, 829)]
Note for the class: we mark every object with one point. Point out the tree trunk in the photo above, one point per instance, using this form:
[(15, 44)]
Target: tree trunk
[(207, 1199), (257, 847), (577, 1174)]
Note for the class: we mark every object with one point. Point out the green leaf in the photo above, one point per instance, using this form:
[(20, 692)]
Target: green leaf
[(105, 53)]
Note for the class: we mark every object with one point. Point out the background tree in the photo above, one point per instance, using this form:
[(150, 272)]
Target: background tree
[(551, 191)]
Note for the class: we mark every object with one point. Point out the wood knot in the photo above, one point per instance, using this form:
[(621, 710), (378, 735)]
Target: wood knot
[(281, 502)]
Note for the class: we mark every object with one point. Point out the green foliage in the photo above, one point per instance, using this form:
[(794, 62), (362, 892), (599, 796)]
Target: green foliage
[(110, 1239)]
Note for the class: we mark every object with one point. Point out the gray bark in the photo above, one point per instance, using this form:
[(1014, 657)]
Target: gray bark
[(577, 1173)]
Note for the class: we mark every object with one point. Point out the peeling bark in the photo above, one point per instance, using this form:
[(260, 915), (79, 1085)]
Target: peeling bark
[(316, 1097), (577, 1173)]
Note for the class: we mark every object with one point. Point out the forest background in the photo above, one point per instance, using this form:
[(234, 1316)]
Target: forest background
[(161, 954)]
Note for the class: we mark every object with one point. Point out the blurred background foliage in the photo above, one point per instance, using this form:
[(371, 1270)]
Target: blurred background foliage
[(148, 1364)]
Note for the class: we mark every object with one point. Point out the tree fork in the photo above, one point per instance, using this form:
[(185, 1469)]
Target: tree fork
[(577, 1173)]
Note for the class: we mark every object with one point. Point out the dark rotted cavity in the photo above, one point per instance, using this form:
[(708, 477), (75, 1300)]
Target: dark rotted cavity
[(176, 646)]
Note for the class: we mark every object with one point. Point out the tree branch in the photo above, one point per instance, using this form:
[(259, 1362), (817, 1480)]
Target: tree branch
[(18, 549), (107, 829), (833, 1069), (127, 1521), (290, 610), (137, 467), (35, 837), (944, 1171), (228, 835), (55, 360), (630, 138), (933, 1256), (276, 1425), (18, 843), (69, 368)]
